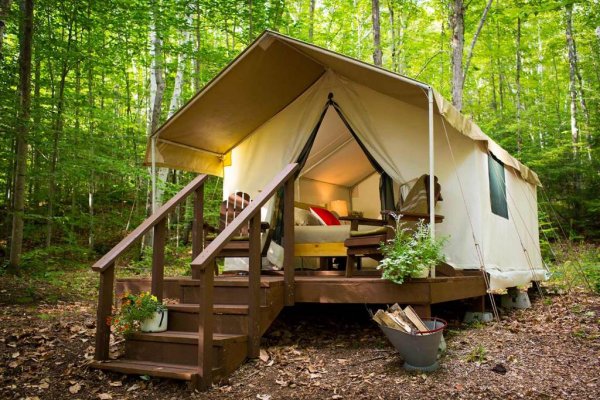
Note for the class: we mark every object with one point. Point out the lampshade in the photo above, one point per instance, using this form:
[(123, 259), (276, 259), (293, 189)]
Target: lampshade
[(340, 207)]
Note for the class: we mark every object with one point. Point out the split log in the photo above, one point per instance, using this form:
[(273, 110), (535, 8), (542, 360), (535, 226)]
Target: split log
[(414, 318)]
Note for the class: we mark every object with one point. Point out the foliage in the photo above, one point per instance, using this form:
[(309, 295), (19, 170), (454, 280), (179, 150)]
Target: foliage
[(575, 265), (135, 308), (478, 354), (92, 67), (410, 251)]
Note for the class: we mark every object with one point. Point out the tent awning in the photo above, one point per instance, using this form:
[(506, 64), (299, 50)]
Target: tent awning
[(266, 77)]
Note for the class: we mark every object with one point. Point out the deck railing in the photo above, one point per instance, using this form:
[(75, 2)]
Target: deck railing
[(158, 222), (203, 269)]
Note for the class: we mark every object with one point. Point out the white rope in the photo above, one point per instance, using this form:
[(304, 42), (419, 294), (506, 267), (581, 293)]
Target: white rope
[(579, 267), (506, 194), (478, 250)]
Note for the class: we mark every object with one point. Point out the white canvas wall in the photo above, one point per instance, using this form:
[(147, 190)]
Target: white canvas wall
[(395, 134)]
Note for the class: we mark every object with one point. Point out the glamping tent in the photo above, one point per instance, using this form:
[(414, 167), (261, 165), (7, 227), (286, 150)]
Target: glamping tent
[(358, 132)]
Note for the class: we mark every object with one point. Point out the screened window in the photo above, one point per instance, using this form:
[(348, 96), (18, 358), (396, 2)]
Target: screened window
[(497, 186)]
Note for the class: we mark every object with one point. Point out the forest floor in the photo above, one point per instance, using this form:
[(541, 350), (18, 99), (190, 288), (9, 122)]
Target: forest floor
[(549, 351)]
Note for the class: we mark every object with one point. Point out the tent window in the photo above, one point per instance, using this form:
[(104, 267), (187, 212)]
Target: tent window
[(497, 186)]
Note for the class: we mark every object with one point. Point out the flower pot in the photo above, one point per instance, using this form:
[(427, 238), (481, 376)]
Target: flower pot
[(158, 323), (421, 272)]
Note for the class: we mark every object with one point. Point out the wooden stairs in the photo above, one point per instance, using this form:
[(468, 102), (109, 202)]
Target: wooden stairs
[(175, 353)]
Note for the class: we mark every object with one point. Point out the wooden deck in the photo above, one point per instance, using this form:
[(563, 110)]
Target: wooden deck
[(332, 287)]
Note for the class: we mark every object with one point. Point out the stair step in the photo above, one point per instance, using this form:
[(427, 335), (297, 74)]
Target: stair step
[(219, 339), (161, 370), (236, 309)]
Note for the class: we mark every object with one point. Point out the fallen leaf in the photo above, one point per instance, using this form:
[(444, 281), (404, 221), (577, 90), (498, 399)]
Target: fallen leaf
[(116, 383), (264, 356), (75, 388), (104, 396), (263, 396), (15, 355)]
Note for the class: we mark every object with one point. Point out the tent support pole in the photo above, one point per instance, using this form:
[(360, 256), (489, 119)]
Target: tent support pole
[(431, 174), (153, 172)]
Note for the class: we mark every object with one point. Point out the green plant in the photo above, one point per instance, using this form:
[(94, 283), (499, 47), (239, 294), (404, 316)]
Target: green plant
[(410, 251), (478, 354), (135, 308)]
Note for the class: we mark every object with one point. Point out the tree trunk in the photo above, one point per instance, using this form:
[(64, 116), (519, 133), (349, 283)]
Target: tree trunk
[(457, 25), (26, 38), (197, 59), (518, 84), (475, 37), (4, 8), (572, 78), (311, 20), (393, 35), (377, 54)]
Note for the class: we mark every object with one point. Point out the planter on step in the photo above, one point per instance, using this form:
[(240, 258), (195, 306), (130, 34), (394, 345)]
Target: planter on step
[(158, 323), (421, 272)]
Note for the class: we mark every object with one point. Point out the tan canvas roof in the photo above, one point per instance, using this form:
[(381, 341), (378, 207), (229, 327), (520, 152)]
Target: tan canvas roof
[(266, 77)]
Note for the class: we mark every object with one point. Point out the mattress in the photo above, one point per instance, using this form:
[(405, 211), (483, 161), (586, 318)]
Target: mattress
[(324, 234)]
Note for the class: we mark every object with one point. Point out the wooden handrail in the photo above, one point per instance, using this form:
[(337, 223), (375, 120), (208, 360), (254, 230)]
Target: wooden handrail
[(157, 222), (109, 258), (201, 269), (214, 247)]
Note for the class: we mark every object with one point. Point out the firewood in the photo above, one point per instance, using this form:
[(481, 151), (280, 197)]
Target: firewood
[(385, 319), (414, 318)]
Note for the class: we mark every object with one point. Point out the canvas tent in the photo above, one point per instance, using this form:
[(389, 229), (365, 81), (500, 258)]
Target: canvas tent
[(283, 100)]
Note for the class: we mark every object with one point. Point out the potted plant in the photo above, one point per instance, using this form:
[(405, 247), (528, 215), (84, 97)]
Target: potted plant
[(411, 253), (140, 311)]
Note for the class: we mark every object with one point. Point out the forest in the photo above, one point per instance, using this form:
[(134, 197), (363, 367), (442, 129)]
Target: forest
[(85, 82)]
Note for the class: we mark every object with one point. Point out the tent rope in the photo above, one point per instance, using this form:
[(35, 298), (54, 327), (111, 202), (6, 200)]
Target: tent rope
[(506, 194), (577, 264), (478, 249)]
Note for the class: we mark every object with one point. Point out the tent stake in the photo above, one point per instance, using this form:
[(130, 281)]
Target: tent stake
[(431, 174)]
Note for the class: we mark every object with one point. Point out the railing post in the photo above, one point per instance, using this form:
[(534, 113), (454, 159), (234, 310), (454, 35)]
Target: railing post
[(105, 302), (288, 241), (158, 258), (254, 287), (198, 222), (205, 325)]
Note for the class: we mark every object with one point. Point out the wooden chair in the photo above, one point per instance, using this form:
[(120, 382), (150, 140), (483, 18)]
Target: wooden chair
[(412, 207), (239, 246)]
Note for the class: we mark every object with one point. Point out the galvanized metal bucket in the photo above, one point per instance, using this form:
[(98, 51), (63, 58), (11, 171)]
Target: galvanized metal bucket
[(418, 350)]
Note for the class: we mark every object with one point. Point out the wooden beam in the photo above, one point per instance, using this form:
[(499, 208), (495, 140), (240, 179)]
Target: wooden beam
[(254, 268), (198, 222), (288, 241), (332, 249), (158, 258), (105, 302), (205, 327)]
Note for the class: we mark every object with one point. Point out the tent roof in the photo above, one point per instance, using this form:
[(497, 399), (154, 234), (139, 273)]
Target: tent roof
[(270, 74)]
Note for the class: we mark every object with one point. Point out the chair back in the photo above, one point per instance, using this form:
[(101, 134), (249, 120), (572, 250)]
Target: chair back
[(414, 195), (231, 208)]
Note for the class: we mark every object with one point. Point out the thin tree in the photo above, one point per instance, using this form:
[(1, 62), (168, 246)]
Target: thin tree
[(377, 54), (572, 77), (457, 25), (4, 8), (26, 39)]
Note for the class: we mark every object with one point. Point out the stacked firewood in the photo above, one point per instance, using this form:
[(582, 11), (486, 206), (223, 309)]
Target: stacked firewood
[(405, 320)]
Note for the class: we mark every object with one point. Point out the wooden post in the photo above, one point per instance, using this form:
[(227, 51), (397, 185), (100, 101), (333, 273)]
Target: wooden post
[(198, 222), (105, 302), (205, 325), (254, 288), (288, 241), (158, 258)]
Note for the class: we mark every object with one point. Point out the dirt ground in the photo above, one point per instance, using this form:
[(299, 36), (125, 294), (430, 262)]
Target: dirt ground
[(550, 351)]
